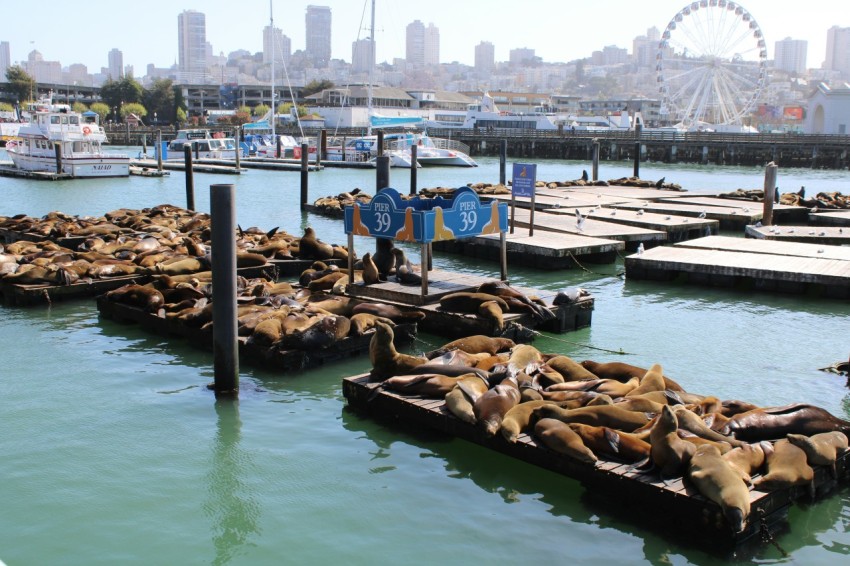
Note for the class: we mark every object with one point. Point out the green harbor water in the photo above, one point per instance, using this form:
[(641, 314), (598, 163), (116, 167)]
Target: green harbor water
[(112, 450)]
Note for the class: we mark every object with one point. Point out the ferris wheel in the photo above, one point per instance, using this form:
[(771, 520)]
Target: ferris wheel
[(711, 64)]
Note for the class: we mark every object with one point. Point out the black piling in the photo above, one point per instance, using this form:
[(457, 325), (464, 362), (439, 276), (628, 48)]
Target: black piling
[(503, 158), (413, 164), (190, 178), (223, 241), (769, 193), (637, 160), (595, 159), (304, 174), (382, 172), (57, 147)]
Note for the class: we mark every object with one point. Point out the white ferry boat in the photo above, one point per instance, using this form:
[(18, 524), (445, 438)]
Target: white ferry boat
[(204, 145), (78, 137)]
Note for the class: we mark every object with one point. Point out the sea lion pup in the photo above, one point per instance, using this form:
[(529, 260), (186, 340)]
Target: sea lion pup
[(786, 467), (310, 247), (747, 459), (652, 380), (461, 400), (610, 387), (612, 444), (776, 422), (370, 270), (718, 481), (821, 449), (431, 385), (597, 415), (570, 369), (505, 291), (490, 310), (517, 419), (474, 345), (669, 453), (386, 360), (334, 304), (639, 403), (558, 436), (326, 282), (690, 421), (492, 406), (623, 372), (363, 322)]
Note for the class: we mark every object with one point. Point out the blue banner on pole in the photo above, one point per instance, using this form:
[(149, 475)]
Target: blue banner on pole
[(524, 179)]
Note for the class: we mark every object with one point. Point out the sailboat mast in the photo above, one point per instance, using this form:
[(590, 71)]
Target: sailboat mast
[(371, 70), (274, 54)]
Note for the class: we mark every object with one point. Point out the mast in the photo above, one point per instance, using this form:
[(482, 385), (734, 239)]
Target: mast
[(371, 71), (274, 54)]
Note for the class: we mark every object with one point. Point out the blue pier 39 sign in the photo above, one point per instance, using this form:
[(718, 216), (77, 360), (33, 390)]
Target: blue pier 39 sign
[(524, 179)]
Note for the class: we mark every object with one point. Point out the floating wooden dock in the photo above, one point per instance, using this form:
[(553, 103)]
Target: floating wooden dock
[(543, 250), (830, 235), (8, 170), (729, 217), (830, 218), (782, 213), (677, 228), (676, 504), (148, 171), (199, 166), (753, 264)]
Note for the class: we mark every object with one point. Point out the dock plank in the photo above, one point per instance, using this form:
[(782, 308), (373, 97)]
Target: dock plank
[(831, 235), (768, 247), (729, 217), (678, 228)]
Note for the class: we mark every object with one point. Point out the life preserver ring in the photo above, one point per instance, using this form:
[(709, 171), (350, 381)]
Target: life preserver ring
[(86, 130)]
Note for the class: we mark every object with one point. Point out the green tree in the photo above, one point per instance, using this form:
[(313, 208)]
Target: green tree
[(116, 93), (286, 108), (180, 115), (6, 107), (161, 100), (242, 116), (101, 109), (315, 86), (133, 108), (79, 107), (20, 83), (260, 109)]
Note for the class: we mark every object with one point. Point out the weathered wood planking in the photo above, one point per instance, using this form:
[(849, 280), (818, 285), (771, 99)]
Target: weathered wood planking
[(440, 283), (830, 218), (781, 212), (830, 235), (549, 198), (676, 502), (730, 218), (634, 193), (769, 247), (678, 228)]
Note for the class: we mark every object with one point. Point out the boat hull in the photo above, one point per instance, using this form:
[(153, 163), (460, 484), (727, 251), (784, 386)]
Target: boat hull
[(105, 166)]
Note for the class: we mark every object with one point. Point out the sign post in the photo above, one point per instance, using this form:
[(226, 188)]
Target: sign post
[(522, 185)]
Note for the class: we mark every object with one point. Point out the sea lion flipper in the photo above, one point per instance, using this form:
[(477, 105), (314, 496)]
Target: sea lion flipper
[(613, 440), (672, 397), (469, 391), (645, 465)]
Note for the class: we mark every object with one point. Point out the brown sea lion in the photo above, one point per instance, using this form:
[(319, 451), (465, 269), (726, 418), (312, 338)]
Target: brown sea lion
[(331, 303), (492, 406), (525, 358), (391, 312), (460, 401), (269, 328), (363, 322), (325, 331), (612, 444), (310, 247), (639, 403), (610, 387), (145, 297), (623, 372), (600, 415), (558, 436), (669, 453), (370, 270), (821, 449), (691, 422), (326, 282), (786, 467), (746, 460), (652, 380), (519, 301), (464, 301), (431, 385), (516, 420), (776, 422), (474, 345), (458, 358), (732, 407), (386, 360), (490, 310), (719, 482), (570, 369)]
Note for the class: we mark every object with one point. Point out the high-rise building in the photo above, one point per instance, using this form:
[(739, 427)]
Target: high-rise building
[(485, 58), (192, 47), (43, 71), (423, 44), (790, 55), (838, 49), (362, 55), (520, 55), (432, 45), (319, 34), (5, 59), (274, 42), (116, 65), (645, 48)]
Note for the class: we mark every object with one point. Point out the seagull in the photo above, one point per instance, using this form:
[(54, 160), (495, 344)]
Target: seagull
[(746, 210), (811, 232), (841, 230), (822, 233), (702, 214), (613, 213), (790, 230), (814, 209), (557, 205), (820, 250), (579, 221), (660, 183), (640, 212), (640, 248), (758, 224), (667, 217)]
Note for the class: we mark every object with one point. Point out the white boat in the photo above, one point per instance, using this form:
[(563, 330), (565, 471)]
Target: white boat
[(431, 152), (79, 137), (204, 145)]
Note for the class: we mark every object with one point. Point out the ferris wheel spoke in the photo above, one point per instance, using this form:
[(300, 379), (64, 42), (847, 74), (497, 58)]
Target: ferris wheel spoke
[(696, 105), (723, 99), (691, 84), (741, 82)]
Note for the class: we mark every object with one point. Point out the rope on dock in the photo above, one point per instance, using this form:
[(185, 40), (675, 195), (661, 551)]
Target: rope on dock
[(586, 270), (618, 352), (767, 536)]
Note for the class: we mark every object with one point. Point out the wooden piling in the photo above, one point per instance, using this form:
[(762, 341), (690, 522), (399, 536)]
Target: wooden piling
[(413, 164), (503, 158), (226, 346), (304, 174), (159, 150), (57, 147), (595, 168), (190, 178), (769, 193), (382, 172)]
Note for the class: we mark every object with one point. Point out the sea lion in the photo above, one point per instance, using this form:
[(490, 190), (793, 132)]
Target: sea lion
[(776, 422), (525, 358), (465, 301), (383, 256), (320, 333), (669, 453), (732, 407), (719, 482), (431, 385), (363, 322), (623, 372), (386, 360), (490, 310), (612, 444), (334, 304), (600, 415), (310, 247), (610, 387), (404, 272), (746, 460), (821, 449), (474, 345), (559, 437), (145, 297), (391, 312), (505, 291), (370, 270), (639, 403), (517, 419), (458, 358), (269, 328), (492, 406), (570, 369), (786, 467), (326, 282), (691, 422), (652, 380), (461, 400)]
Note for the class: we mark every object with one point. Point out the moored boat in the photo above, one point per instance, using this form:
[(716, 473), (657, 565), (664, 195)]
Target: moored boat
[(204, 145)]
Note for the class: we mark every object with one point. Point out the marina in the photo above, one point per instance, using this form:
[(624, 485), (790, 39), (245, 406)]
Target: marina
[(242, 469)]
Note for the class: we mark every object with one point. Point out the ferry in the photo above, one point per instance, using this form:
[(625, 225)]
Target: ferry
[(78, 137), (204, 145)]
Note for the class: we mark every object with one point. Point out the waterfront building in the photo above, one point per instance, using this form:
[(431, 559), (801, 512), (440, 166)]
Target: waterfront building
[(485, 59), (790, 55), (115, 71), (192, 46), (318, 28), (828, 110), (5, 59), (838, 50)]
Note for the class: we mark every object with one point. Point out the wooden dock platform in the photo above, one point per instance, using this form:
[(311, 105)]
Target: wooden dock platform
[(782, 213), (9, 170), (544, 250), (830, 218), (677, 504), (199, 166), (830, 235), (729, 217), (762, 265), (677, 228)]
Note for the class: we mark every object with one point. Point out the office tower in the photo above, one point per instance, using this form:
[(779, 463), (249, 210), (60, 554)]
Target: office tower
[(362, 55), (790, 55), (431, 55), (5, 59), (415, 49), (192, 46), (485, 58), (116, 65), (275, 42), (319, 34), (838, 49)]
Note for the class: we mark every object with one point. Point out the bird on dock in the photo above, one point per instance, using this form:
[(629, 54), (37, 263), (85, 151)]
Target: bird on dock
[(640, 248), (776, 194), (584, 176), (640, 212), (660, 183), (702, 214), (758, 224), (802, 192), (579, 221)]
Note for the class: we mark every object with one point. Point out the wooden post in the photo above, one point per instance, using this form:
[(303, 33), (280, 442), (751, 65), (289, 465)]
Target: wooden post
[(190, 178), (238, 147), (197, 150), (223, 241), (413, 164), (595, 168), (323, 147), (423, 269), (351, 257), (277, 146), (145, 145), (304, 174), (57, 148), (503, 158), (159, 150), (637, 160), (381, 143), (382, 172), (503, 256), (769, 193)]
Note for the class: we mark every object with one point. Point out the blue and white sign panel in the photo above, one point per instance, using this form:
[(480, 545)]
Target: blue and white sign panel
[(524, 179)]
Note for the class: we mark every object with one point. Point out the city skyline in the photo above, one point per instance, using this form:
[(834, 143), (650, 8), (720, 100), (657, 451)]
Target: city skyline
[(578, 31)]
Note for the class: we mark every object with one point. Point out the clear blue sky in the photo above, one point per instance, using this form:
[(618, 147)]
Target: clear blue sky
[(558, 30)]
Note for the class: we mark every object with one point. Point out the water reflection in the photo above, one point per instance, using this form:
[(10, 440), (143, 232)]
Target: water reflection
[(232, 506)]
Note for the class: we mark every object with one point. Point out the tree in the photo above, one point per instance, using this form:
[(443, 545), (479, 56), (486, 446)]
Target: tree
[(79, 107), (101, 109), (286, 108), (20, 83), (117, 93), (133, 108), (260, 109), (180, 115), (315, 86), (6, 107), (161, 100)]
